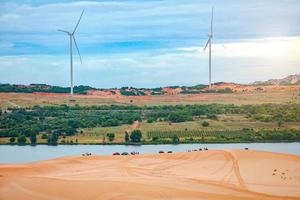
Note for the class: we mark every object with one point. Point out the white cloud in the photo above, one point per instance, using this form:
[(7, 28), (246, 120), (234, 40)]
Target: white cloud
[(145, 69), (165, 26), (280, 48)]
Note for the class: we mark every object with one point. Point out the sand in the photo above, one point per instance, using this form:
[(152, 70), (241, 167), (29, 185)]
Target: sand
[(207, 175)]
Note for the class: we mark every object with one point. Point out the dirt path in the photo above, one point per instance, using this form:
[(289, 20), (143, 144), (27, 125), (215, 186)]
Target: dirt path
[(134, 126), (235, 167)]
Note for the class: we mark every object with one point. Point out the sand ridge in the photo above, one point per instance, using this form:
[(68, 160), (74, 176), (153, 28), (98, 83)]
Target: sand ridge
[(211, 175)]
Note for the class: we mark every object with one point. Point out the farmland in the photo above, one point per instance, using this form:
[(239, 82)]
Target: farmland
[(109, 124)]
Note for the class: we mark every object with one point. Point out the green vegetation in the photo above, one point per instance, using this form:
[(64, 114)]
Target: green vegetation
[(127, 138), (157, 91), (12, 140), (53, 138), (21, 139), (63, 120), (111, 136), (74, 124), (33, 138), (126, 91), (179, 117), (129, 91), (193, 89), (225, 136), (205, 124), (201, 89), (43, 88), (175, 139), (136, 136)]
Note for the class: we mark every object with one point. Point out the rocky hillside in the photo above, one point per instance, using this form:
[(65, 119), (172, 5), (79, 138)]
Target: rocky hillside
[(289, 80)]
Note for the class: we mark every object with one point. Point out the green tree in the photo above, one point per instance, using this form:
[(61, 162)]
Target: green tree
[(52, 139), (70, 131), (12, 140), (178, 117), (175, 139), (127, 137), (136, 136), (33, 138), (21, 139)]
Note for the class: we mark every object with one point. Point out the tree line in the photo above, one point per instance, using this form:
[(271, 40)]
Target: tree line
[(63, 120), (81, 89)]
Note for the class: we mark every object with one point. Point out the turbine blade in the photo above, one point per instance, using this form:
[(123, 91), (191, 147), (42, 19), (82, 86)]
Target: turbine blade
[(78, 22), (206, 44), (211, 22), (63, 31), (77, 48)]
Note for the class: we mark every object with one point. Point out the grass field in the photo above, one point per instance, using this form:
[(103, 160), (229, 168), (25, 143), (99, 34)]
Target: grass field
[(25, 100), (229, 122)]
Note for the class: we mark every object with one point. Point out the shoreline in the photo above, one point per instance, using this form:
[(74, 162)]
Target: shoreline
[(154, 143)]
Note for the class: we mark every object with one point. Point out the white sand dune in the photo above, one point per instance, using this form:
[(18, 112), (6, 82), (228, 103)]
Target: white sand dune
[(209, 175)]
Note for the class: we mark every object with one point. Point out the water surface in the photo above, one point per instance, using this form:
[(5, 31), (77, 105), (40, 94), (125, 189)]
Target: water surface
[(25, 154)]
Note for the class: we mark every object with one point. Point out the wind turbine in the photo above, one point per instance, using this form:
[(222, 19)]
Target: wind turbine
[(72, 38), (208, 43)]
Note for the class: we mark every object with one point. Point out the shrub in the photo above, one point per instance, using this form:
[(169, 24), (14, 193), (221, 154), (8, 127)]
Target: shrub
[(44, 136), (33, 138), (150, 120), (126, 137), (178, 117), (205, 124), (12, 140), (21, 139), (111, 136), (52, 140), (175, 139)]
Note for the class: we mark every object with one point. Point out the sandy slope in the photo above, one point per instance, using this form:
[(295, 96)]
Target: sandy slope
[(209, 175)]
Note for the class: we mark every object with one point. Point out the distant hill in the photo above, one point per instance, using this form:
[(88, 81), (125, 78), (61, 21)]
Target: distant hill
[(219, 87), (42, 88), (289, 80)]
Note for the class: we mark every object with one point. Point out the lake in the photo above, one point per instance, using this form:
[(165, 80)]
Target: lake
[(26, 154)]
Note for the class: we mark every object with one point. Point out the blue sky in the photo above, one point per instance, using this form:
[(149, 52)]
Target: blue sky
[(148, 43)]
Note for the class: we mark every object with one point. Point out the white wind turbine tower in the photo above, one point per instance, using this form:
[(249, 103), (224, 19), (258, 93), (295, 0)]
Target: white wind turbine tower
[(72, 38), (208, 43)]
